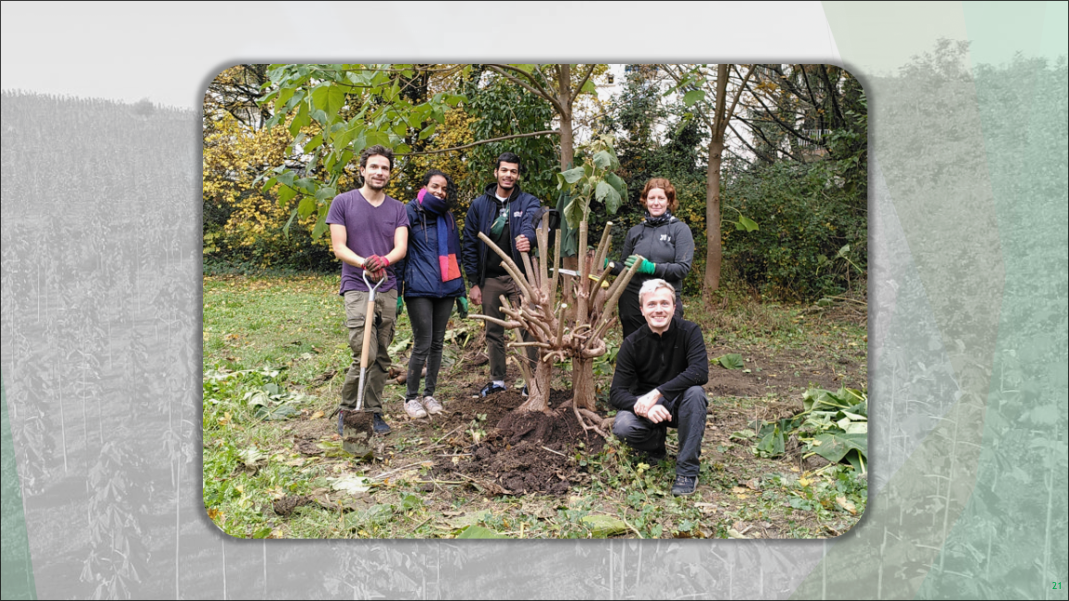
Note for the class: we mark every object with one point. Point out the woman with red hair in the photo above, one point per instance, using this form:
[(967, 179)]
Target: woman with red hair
[(663, 244)]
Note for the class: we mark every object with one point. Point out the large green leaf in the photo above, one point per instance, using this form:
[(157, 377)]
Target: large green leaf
[(834, 446), (818, 399), (602, 160), (618, 184), (604, 525), (307, 206), (771, 443), (573, 175), (574, 212), (745, 223), (607, 194), (321, 225), (693, 96), (329, 99), (730, 361), (479, 532), (285, 195)]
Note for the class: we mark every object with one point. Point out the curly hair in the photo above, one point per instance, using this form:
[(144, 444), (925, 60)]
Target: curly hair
[(376, 150), (664, 184), (450, 187)]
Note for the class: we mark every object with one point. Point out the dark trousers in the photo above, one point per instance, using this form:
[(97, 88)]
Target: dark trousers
[(630, 312), (493, 289), (429, 317), (688, 415)]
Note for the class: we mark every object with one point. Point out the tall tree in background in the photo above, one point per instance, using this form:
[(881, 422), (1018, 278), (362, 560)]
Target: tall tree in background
[(714, 105), (559, 87)]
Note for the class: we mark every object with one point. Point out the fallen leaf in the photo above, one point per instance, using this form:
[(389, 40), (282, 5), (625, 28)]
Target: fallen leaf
[(604, 525), (846, 504), (479, 532), (351, 484), (733, 533), (316, 415)]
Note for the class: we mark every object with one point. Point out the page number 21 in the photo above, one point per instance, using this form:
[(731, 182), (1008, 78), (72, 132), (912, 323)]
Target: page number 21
[(1055, 586)]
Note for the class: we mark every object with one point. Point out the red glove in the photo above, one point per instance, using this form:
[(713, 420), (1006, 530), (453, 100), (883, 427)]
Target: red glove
[(376, 263)]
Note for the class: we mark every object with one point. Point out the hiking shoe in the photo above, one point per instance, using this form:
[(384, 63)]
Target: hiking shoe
[(378, 425), (341, 421), (432, 405), (414, 409), (684, 485), (491, 388)]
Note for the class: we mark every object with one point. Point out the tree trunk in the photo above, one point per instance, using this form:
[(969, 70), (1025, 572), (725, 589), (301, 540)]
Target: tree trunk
[(538, 389), (714, 251), (583, 391), (564, 97)]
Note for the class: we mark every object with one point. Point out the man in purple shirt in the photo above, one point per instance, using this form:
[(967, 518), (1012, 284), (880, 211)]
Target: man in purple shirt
[(369, 231)]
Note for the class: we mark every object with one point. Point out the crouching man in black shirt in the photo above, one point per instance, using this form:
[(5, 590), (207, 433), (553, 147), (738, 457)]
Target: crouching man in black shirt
[(660, 370)]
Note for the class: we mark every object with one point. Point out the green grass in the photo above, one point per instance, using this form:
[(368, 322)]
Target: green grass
[(270, 342)]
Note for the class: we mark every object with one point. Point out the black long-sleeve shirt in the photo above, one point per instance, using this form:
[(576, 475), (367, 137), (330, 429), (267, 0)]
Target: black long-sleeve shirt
[(671, 362)]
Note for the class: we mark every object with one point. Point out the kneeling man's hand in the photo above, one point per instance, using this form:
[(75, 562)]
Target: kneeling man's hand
[(646, 406), (658, 414)]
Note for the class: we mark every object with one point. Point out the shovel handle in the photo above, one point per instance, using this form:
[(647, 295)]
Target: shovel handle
[(369, 322)]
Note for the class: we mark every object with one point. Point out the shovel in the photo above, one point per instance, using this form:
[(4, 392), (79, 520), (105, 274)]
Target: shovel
[(369, 318), (357, 442)]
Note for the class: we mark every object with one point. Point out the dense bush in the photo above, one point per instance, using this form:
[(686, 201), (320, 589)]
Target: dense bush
[(807, 220)]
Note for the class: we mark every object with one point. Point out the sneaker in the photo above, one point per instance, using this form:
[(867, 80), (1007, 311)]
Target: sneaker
[(684, 485), (378, 425), (341, 421), (491, 388), (414, 409), (523, 392), (432, 405)]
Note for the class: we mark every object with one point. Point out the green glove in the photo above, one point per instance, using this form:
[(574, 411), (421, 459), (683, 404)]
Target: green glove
[(646, 267), (631, 261), (400, 304), (462, 307)]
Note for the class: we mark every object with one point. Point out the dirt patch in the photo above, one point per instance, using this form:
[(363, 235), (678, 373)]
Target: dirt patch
[(529, 452), (782, 371)]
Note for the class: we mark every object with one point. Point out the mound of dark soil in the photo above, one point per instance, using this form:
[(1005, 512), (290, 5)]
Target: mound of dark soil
[(529, 452)]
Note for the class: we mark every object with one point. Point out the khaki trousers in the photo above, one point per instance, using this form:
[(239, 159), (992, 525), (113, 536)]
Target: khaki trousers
[(378, 364), (492, 290)]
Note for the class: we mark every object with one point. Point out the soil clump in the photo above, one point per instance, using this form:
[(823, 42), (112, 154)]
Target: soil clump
[(528, 452)]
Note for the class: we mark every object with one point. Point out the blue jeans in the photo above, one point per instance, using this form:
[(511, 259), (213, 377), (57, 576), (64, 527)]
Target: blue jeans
[(688, 415)]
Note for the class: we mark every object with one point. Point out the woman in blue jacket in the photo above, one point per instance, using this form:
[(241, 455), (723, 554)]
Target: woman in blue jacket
[(431, 282)]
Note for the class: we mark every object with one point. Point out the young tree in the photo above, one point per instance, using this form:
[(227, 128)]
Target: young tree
[(559, 334)]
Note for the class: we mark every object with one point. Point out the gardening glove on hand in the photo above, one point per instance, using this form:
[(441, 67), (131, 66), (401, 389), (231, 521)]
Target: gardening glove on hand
[(462, 307), (400, 304), (376, 263), (631, 261), (646, 267)]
